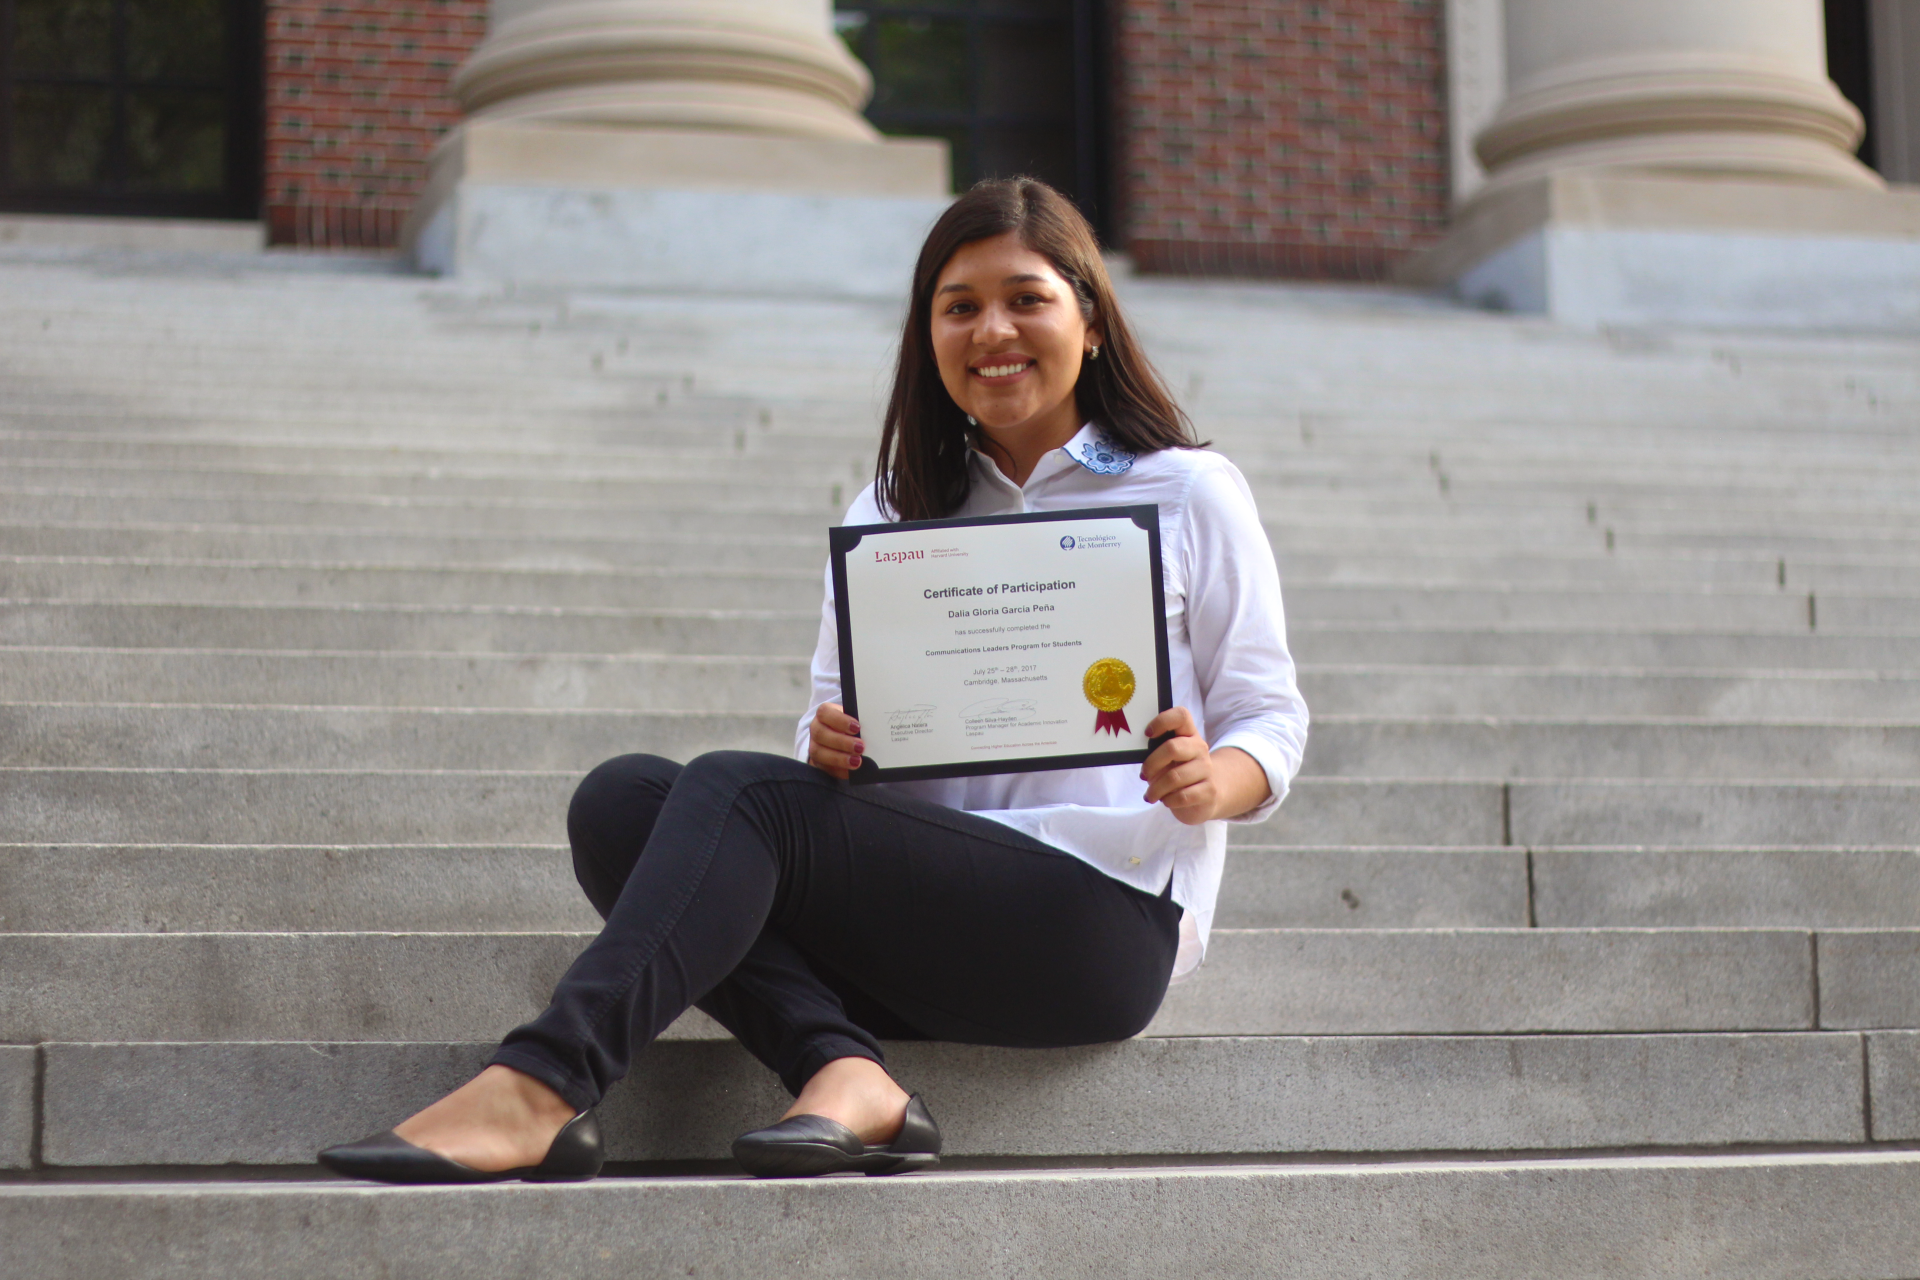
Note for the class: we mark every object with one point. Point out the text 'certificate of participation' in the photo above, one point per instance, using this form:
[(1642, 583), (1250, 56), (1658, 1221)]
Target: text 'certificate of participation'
[(1002, 644)]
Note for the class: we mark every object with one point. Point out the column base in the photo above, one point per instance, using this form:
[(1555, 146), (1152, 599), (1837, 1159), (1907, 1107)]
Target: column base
[(1618, 247), (684, 211)]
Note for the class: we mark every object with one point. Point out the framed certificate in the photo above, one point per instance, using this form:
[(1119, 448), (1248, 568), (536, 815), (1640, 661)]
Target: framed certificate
[(1002, 644)]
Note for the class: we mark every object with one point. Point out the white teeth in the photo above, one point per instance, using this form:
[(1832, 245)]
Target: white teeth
[(1001, 371)]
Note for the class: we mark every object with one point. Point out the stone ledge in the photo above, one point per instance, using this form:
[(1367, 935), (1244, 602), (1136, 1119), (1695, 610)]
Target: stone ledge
[(278, 1103), (18, 1072), (1756, 1217), (189, 235), (1626, 200)]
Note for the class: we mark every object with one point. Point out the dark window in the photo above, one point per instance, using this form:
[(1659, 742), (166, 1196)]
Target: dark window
[(1850, 63), (1012, 85), (130, 106)]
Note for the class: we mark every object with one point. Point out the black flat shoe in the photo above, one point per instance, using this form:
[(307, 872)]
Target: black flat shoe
[(806, 1146), (575, 1155)]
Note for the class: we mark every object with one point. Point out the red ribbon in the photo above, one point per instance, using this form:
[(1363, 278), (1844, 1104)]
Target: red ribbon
[(1114, 722)]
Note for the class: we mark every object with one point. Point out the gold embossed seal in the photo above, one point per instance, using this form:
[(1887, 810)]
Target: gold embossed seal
[(1109, 686)]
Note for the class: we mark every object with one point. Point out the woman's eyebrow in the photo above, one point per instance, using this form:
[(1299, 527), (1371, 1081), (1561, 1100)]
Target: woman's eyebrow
[(961, 286)]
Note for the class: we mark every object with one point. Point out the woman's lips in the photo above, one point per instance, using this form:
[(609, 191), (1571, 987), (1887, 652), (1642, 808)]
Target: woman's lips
[(998, 369)]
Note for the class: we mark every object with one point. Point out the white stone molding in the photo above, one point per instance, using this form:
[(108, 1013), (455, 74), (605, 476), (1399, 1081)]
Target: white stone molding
[(694, 145), (1476, 82), (1682, 161), (1893, 28), (747, 66), (1727, 88)]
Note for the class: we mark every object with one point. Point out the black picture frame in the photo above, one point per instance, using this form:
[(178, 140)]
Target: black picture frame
[(844, 538)]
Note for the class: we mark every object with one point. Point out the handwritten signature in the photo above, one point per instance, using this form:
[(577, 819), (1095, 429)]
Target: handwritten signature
[(1000, 710)]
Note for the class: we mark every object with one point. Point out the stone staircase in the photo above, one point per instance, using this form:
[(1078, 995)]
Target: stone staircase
[(1587, 944)]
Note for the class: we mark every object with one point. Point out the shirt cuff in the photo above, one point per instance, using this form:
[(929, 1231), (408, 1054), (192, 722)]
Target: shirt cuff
[(1270, 759)]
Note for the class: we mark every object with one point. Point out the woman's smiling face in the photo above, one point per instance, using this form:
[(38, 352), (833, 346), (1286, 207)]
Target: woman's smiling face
[(1009, 341)]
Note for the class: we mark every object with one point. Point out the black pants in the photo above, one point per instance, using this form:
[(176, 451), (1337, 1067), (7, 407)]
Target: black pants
[(813, 919)]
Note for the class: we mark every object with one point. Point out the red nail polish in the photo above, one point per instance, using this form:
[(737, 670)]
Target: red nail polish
[(854, 727)]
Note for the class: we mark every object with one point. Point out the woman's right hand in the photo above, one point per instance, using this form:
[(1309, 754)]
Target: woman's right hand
[(834, 744)]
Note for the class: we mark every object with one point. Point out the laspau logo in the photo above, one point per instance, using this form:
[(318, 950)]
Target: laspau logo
[(1066, 543), (898, 557)]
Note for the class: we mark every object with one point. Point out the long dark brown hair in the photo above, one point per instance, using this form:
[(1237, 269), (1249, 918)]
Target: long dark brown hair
[(921, 473)]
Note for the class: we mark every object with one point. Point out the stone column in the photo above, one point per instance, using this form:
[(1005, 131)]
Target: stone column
[(1722, 88), (712, 145), (1476, 83), (739, 66), (1679, 160), (1893, 28)]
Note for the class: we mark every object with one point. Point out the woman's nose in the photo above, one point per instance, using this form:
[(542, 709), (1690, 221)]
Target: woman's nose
[(994, 325)]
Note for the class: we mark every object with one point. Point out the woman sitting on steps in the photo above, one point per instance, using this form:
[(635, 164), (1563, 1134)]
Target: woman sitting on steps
[(814, 919)]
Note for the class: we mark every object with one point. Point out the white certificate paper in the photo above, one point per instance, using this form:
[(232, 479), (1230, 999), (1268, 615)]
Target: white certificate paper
[(1002, 644)]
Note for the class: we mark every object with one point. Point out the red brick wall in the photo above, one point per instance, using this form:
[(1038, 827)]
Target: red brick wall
[(356, 98), (1280, 137)]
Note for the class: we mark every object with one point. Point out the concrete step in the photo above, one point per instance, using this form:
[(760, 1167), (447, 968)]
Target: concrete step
[(1685, 887), (1754, 887), (1567, 748), (1260, 453), (309, 806), (1395, 533), (1468, 533), (1464, 566), (474, 629), (186, 737), (1441, 691), (161, 581), (601, 682), (455, 986), (74, 888), (738, 550), (427, 517), (748, 455), (237, 806), (805, 489), (1393, 523), (428, 407), (549, 631), (67, 888), (1642, 569), (1609, 812), (1755, 1215), (109, 734), (744, 550), (256, 582), (1781, 501), (741, 456), (108, 1105), (306, 806), (398, 418), (760, 684), (1709, 649)]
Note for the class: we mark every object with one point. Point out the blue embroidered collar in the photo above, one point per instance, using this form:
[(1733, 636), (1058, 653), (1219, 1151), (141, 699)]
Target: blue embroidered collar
[(1102, 457)]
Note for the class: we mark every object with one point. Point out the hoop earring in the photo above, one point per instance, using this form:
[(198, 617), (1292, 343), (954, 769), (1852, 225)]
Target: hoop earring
[(972, 421), (1093, 353)]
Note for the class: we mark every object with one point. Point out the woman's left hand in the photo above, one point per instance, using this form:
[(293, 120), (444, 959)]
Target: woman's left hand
[(1196, 784)]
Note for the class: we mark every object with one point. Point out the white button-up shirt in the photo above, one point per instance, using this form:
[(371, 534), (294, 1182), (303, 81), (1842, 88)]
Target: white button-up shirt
[(1226, 639)]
